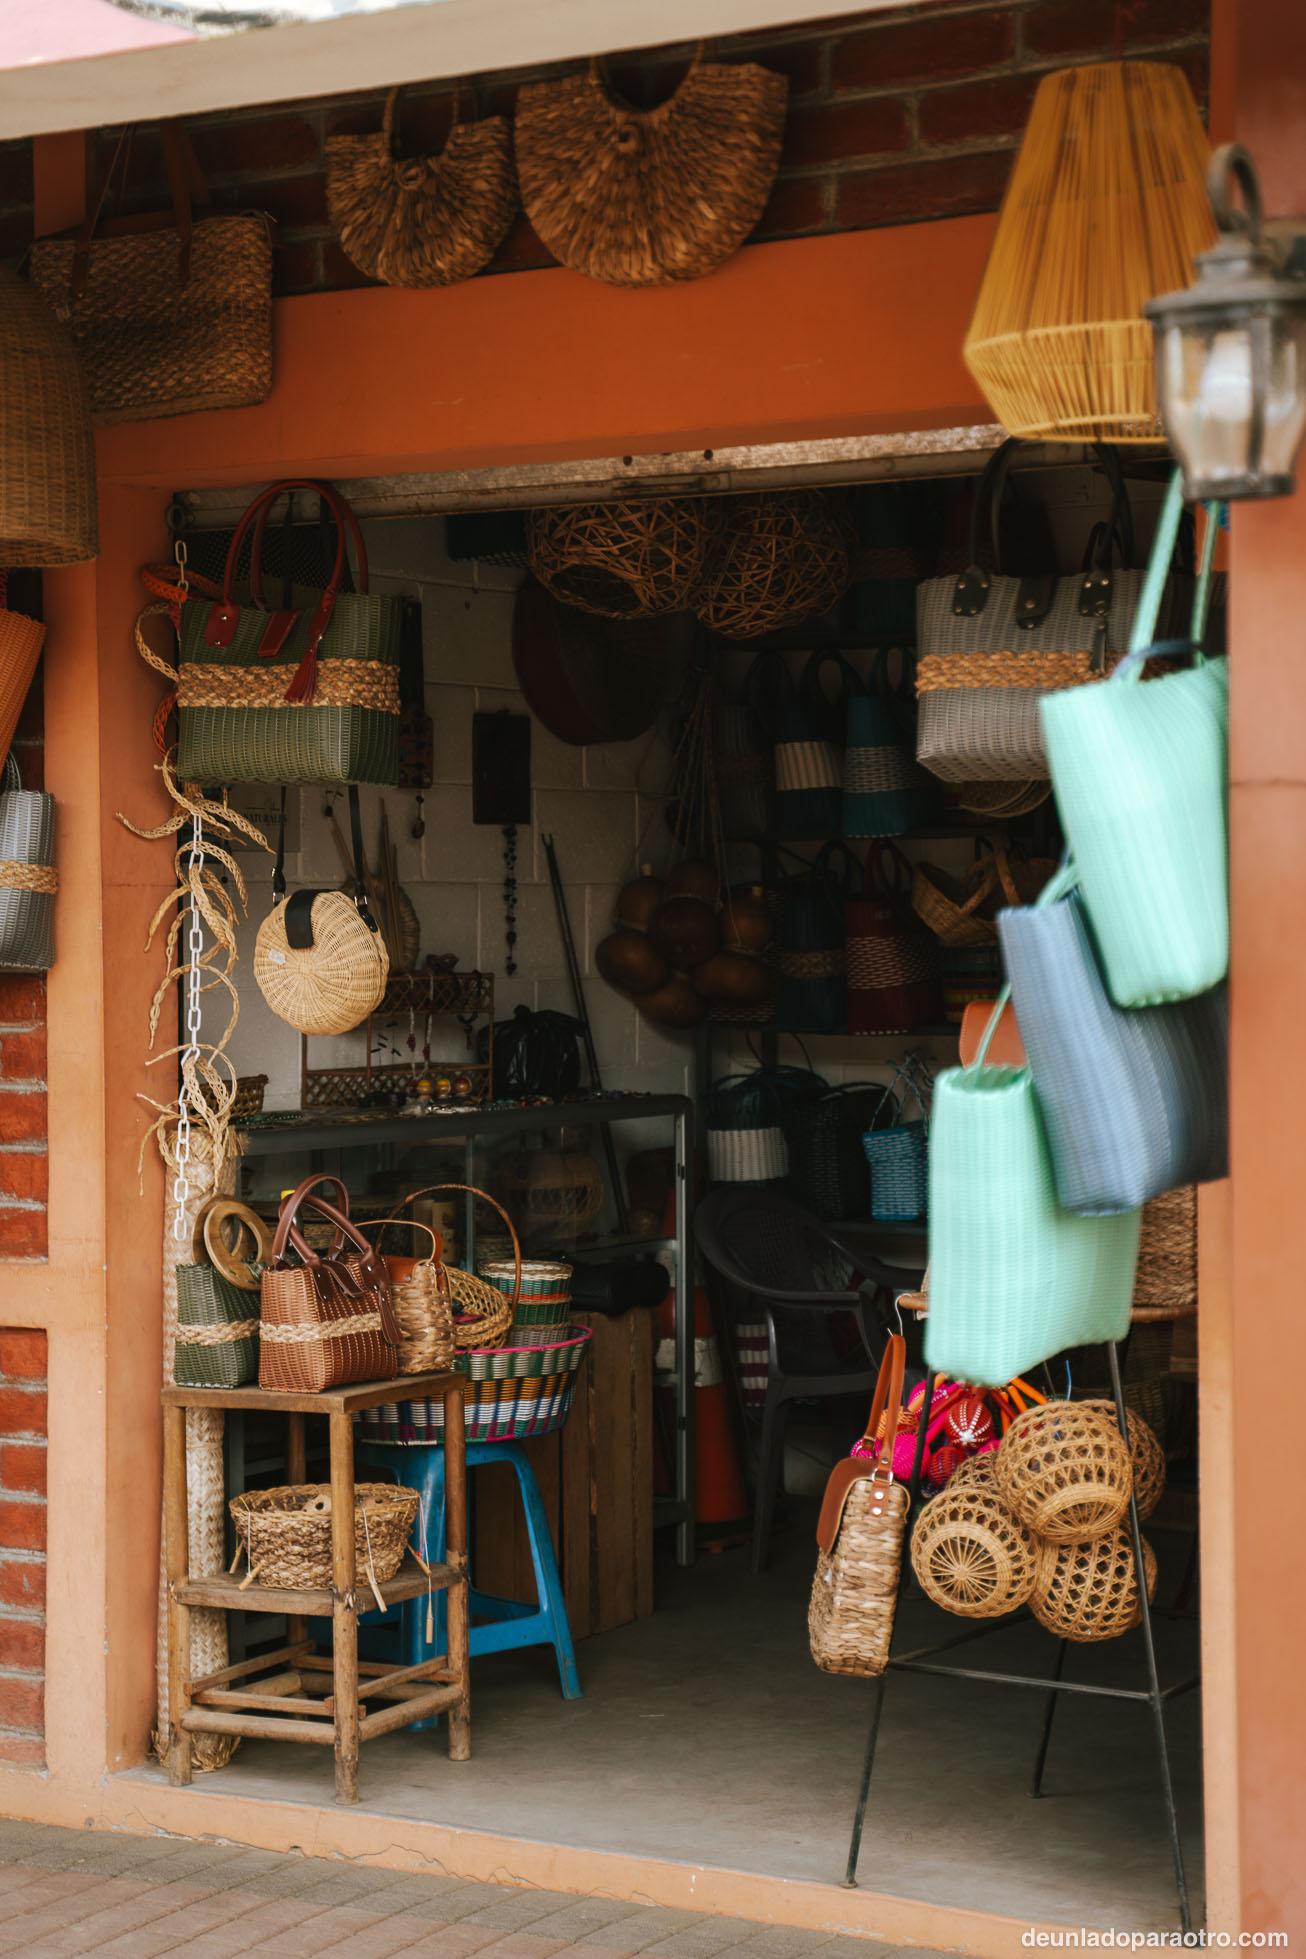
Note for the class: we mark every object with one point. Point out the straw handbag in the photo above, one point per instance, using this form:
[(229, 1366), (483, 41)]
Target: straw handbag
[(422, 220), (319, 960), (855, 1591), (28, 878), (885, 790), (171, 312), (647, 197), (894, 981), (423, 1303), (991, 646), (21, 640), (291, 696), (809, 733), (324, 1322), (1139, 769)]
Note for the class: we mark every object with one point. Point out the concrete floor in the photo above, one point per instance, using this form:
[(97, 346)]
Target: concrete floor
[(706, 1735)]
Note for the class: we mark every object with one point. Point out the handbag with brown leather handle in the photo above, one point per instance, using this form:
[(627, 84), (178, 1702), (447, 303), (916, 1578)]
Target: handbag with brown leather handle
[(325, 1321), (863, 1516)]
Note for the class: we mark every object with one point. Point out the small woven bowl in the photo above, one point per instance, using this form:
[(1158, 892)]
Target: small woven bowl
[(1063, 1470), (970, 1554), (1087, 1592)]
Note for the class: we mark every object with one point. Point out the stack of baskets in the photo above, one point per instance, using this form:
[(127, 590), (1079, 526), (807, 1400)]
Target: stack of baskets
[(541, 1316)]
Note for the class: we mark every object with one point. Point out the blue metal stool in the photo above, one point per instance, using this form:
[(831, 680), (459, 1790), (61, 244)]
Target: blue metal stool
[(504, 1623)]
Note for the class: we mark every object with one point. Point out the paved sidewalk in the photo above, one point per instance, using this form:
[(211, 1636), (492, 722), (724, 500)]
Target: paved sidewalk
[(68, 1892)]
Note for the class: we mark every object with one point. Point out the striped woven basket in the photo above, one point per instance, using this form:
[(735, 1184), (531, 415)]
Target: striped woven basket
[(809, 738), (894, 984), (513, 1393), (28, 879)]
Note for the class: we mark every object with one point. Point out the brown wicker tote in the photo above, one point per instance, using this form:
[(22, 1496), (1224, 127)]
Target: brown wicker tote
[(170, 313), (47, 451), (422, 220), (324, 1322), (855, 1591), (645, 197)]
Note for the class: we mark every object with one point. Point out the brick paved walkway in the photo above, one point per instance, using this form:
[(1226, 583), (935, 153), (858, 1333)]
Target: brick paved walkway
[(68, 1892)]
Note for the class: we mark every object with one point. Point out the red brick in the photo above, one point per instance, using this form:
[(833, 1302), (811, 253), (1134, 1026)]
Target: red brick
[(796, 204), (22, 1528), (23, 1234), (25, 1750), (239, 148), (22, 1704), (22, 1468), (22, 1411), (1065, 27), (977, 109), (22, 1584), (22, 1644), (911, 193), (521, 250), (846, 129), (22, 1001), (24, 1115), (294, 203), (24, 1173), (922, 50), (23, 1355), (22, 1056)]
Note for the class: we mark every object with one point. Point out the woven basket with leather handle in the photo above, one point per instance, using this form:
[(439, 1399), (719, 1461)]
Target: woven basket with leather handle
[(324, 1321), (855, 1591)]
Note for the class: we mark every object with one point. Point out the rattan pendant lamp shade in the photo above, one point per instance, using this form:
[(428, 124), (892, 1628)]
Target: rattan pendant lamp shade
[(47, 451), (1106, 208)]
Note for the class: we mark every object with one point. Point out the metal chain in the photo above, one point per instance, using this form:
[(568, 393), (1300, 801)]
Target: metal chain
[(191, 1052)]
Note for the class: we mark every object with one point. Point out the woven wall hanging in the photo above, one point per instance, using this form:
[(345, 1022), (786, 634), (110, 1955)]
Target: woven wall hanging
[(621, 560), (422, 220), (1106, 207), (777, 558), (645, 197)]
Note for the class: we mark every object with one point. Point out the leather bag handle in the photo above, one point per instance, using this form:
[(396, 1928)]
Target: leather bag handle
[(285, 1223), (186, 187), (888, 1396), (340, 1275)]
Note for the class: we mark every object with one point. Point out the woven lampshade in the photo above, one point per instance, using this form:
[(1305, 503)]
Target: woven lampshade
[(1106, 208), (47, 453)]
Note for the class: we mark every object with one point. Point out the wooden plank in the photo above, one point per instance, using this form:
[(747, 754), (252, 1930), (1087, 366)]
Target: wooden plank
[(424, 1670), (243, 1668), (212, 1721), (220, 1697), (401, 1713), (344, 1610), (333, 1401), (574, 1506), (458, 1603), (224, 1590), (321, 1663)]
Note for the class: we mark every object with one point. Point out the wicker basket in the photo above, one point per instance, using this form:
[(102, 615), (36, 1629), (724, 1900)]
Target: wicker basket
[(779, 558), (482, 1313), (331, 986), (47, 471), (977, 1472), (970, 1554), (285, 1533), (1145, 1453), (1165, 1287), (1087, 1592), (423, 1303), (621, 560), (545, 1285), (512, 1395), (556, 1193), (217, 1331), (960, 913), (1064, 1471)]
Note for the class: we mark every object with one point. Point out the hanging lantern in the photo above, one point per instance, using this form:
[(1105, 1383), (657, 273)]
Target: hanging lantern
[(47, 452), (1231, 350), (1106, 207)]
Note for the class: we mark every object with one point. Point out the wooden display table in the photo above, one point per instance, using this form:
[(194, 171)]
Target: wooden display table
[(269, 1696)]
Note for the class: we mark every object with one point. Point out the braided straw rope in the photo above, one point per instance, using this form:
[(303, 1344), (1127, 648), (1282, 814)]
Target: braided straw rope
[(1046, 671), (340, 683), (296, 1336), (28, 877), (1087, 1592), (1064, 1471), (216, 1336), (970, 1554)]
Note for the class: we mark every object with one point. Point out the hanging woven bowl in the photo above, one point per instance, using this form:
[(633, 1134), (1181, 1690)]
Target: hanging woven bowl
[(778, 558), (646, 197), (47, 454), (977, 1472), (621, 560), (1145, 1453), (1089, 1591), (970, 1554), (1064, 1471)]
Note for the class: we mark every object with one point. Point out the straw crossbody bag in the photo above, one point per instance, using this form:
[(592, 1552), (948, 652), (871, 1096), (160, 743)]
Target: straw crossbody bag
[(319, 960), (324, 1322), (860, 1532)]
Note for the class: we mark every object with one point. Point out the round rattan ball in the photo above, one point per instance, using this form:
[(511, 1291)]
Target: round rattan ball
[(1064, 1471), (970, 1554), (1089, 1591), (1145, 1453), (977, 1472), (621, 560), (331, 986), (779, 557)]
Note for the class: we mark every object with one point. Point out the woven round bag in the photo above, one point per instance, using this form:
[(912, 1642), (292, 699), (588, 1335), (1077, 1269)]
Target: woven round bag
[(422, 220), (330, 985), (1087, 1592), (1064, 1471), (645, 197), (970, 1554)]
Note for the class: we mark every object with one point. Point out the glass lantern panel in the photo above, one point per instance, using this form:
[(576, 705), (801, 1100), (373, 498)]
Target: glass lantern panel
[(1205, 375), (1285, 394)]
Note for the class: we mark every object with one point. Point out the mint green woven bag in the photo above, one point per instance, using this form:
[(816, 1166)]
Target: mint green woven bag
[(1139, 771), (1013, 1278)]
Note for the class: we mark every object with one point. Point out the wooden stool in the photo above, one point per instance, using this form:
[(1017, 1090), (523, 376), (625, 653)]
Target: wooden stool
[(230, 1702)]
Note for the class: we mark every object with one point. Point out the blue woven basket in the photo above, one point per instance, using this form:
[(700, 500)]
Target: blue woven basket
[(809, 735), (811, 986), (885, 790), (898, 1156)]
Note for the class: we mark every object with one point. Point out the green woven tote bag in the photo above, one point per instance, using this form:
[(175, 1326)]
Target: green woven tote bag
[(308, 697), (1014, 1278), (217, 1331), (1139, 772)]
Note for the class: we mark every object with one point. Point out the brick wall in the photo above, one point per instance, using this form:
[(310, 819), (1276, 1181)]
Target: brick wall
[(894, 118), (23, 1160), (22, 1545)]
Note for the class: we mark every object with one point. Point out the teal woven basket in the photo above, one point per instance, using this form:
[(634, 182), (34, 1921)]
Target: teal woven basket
[(1014, 1278), (1139, 771)]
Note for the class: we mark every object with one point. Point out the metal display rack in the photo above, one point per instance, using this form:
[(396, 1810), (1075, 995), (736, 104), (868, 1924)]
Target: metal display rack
[(429, 994)]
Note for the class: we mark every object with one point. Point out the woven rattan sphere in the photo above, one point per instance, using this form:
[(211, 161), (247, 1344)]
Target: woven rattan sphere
[(1088, 1591), (970, 1554), (621, 560), (1064, 1471), (331, 986), (1146, 1454), (976, 1472), (778, 558)]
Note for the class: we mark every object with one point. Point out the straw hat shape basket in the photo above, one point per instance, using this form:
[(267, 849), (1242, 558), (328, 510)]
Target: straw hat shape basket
[(47, 457), (645, 197), (621, 560), (422, 220), (970, 1554), (1064, 1471)]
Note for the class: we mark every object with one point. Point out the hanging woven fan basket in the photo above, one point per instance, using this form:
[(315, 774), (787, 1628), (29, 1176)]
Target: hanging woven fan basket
[(778, 558), (1087, 1592), (970, 1554), (555, 1195), (621, 560), (1064, 1471)]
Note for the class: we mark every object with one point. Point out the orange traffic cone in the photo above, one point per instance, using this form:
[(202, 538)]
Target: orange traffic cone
[(718, 1479)]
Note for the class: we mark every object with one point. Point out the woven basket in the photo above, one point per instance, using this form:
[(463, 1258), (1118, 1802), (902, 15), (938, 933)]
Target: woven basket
[(557, 1193), (809, 735), (423, 1303), (970, 1554), (1145, 1454), (422, 220), (512, 1395), (285, 1533), (621, 560), (959, 912), (217, 1331), (828, 1170), (897, 1154), (778, 558), (1165, 1286), (977, 1472), (811, 988), (47, 454), (331, 986), (545, 1294), (648, 197), (1087, 1592), (894, 983), (28, 878), (855, 1590), (1064, 1471), (1006, 799)]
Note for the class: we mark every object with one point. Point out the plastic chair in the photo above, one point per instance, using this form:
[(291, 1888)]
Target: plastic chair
[(498, 1624), (796, 1274)]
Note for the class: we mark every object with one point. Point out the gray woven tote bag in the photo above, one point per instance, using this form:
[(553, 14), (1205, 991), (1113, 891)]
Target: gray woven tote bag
[(28, 879), (1134, 1100), (990, 646)]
